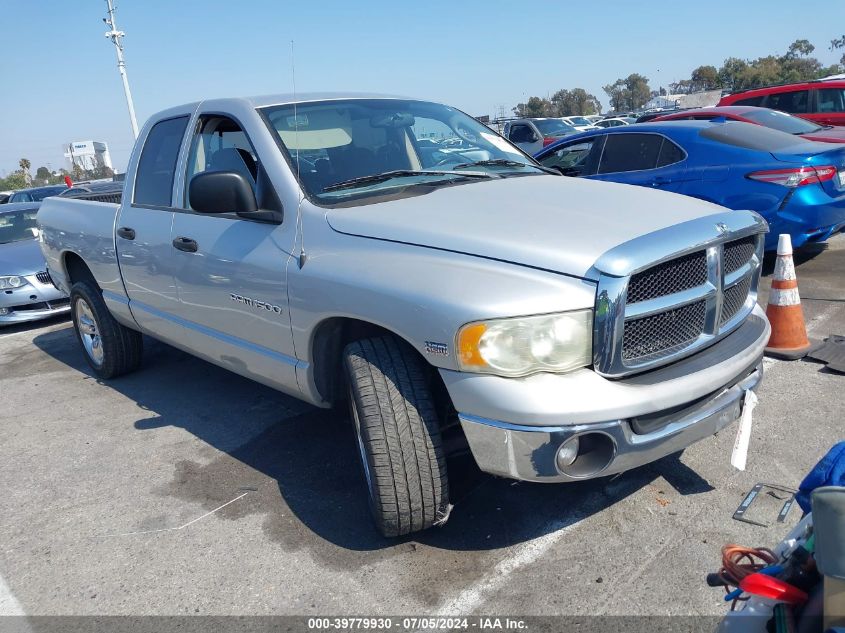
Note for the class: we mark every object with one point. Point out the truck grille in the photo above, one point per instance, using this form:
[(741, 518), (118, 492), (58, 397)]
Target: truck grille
[(670, 309), (668, 278)]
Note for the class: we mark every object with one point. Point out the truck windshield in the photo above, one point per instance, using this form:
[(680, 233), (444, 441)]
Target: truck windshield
[(18, 226), (554, 127), (362, 147)]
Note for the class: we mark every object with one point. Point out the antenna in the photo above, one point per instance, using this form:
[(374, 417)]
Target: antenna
[(302, 255), (117, 39)]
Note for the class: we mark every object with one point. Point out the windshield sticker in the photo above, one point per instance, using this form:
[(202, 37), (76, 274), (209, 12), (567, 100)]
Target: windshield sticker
[(500, 143), (300, 120)]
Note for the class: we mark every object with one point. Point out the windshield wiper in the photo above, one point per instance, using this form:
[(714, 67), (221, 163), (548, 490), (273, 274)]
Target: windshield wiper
[(504, 162), (390, 175)]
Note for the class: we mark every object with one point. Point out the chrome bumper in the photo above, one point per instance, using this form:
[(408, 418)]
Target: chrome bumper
[(528, 452)]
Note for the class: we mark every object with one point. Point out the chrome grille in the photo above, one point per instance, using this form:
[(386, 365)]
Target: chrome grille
[(669, 277), (43, 277), (734, 299), (738, 253), (659, 334), (662, 312)]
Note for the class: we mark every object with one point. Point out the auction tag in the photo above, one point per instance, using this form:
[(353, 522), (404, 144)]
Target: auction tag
[(743, 433)]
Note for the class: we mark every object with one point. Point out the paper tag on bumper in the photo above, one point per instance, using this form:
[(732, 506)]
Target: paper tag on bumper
[(743, 433)]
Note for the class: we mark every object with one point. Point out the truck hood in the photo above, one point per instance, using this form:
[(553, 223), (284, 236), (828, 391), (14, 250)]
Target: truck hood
[(548, 222), (21, 258)]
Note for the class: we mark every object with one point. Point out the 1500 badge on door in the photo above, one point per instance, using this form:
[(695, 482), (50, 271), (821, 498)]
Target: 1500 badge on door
[(256, 303)]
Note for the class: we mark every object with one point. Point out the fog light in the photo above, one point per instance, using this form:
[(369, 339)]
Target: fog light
[(567, 453), (4, 311)]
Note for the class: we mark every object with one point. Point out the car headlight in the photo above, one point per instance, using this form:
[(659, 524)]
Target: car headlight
[(525, 345), (13, 281)]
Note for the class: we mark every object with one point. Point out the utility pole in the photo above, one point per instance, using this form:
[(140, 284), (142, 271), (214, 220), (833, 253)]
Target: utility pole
[(117, 39)]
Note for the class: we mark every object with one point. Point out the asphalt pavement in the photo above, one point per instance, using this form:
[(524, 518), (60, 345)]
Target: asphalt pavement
[(185, 489)]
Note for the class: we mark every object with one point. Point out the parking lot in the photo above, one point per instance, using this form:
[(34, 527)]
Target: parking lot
[(185, 489)]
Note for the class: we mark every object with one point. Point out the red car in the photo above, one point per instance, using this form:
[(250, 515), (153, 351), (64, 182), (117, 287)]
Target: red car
[(821, 101), (763, 116)]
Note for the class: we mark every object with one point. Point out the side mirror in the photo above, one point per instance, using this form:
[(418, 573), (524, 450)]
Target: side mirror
[(221, 192)]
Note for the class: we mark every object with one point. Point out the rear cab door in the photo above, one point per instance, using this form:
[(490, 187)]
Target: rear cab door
[(231, 279), (142, 229)]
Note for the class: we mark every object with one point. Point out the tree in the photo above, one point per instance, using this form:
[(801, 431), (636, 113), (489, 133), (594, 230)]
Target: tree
[(574, 102), (836, 44), (616, 94), (42, 173), (704, 78), (535, 107), (799, 48), (732, 74), (637, 90), (25, 166)]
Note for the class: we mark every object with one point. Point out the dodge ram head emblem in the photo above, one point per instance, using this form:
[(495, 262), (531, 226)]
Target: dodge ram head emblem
[(722, 228)]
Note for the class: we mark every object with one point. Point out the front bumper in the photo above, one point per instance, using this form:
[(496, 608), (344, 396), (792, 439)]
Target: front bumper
[(637, 420), (32, 301)]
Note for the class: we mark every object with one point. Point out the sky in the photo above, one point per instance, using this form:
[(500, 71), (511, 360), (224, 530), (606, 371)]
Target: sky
[(60, 80)]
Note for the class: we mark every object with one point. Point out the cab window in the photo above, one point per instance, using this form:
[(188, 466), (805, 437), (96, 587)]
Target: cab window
[(831, 100), (156, 167), (794, 101), (220, 145)]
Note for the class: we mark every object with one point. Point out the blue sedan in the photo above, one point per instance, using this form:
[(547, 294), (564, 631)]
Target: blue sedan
[(797, 185)]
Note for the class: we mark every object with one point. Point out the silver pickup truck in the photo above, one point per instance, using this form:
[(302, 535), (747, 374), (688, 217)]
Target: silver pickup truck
[(400, 256)]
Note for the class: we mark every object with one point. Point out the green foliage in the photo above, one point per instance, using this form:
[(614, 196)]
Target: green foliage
[(535, 107), (629, 93), (574, 102)]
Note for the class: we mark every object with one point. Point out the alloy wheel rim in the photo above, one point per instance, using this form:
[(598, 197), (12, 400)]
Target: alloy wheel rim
[(89, 334)]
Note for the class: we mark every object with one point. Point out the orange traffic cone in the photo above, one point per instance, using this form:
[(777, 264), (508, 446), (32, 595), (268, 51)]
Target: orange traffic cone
[(789, 335)]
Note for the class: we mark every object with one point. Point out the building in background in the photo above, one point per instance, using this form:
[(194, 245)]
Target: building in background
[(89, 155)]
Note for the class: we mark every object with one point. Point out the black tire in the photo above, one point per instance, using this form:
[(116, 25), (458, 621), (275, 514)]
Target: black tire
[(398, 435), (120, 347)]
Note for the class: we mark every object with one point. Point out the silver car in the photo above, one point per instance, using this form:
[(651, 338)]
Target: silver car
[(26, 292)]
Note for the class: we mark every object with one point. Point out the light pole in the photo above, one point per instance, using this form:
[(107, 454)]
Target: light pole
[(116, 37)]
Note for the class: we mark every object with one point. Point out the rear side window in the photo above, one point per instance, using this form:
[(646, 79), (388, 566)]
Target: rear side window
[(521, 134), (630, 152), (154, 176), (794, 102), (750, 101), (749, 136), (669, 154), (831, 100)]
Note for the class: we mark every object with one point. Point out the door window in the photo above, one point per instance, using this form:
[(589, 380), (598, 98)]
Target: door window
[(154, 176), (521, 133), (831, 100), (794, 102), (575, 159), (630, 152), (750, 101), (221, 145)]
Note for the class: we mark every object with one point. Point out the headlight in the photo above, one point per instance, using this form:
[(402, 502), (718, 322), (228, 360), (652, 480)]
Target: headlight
[(12, 282), (525, 345)]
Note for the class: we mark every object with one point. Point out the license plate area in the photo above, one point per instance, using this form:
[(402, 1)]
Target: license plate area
[(645, 424)]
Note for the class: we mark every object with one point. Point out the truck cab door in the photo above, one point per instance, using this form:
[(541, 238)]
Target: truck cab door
[(142, 233), (231, 272), (525, 138)]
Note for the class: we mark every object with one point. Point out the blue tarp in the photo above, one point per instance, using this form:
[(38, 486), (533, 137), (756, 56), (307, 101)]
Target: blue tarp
[(830, 471)]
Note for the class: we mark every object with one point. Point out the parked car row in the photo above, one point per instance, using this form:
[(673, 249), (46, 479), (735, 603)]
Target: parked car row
[(797, 185)]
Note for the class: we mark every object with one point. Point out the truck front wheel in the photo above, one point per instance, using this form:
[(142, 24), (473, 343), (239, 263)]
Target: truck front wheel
[(110, 348), (398, 435)]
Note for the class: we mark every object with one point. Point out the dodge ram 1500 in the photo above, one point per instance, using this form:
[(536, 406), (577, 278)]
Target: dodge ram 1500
[(401, 257)]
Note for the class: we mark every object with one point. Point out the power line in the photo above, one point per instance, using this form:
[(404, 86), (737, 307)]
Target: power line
[(117, 39)]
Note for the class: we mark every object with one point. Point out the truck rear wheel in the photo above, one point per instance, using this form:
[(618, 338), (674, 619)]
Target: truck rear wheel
[(398, 435), (110, 348)]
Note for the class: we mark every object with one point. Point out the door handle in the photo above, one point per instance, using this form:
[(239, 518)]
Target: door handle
[(185, 244), (126, 233)]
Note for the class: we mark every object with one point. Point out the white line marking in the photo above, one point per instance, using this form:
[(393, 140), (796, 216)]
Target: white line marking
[(181, 527), (9, 605)]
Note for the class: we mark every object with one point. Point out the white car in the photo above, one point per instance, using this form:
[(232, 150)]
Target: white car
[(615, 122), (580, 123)]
